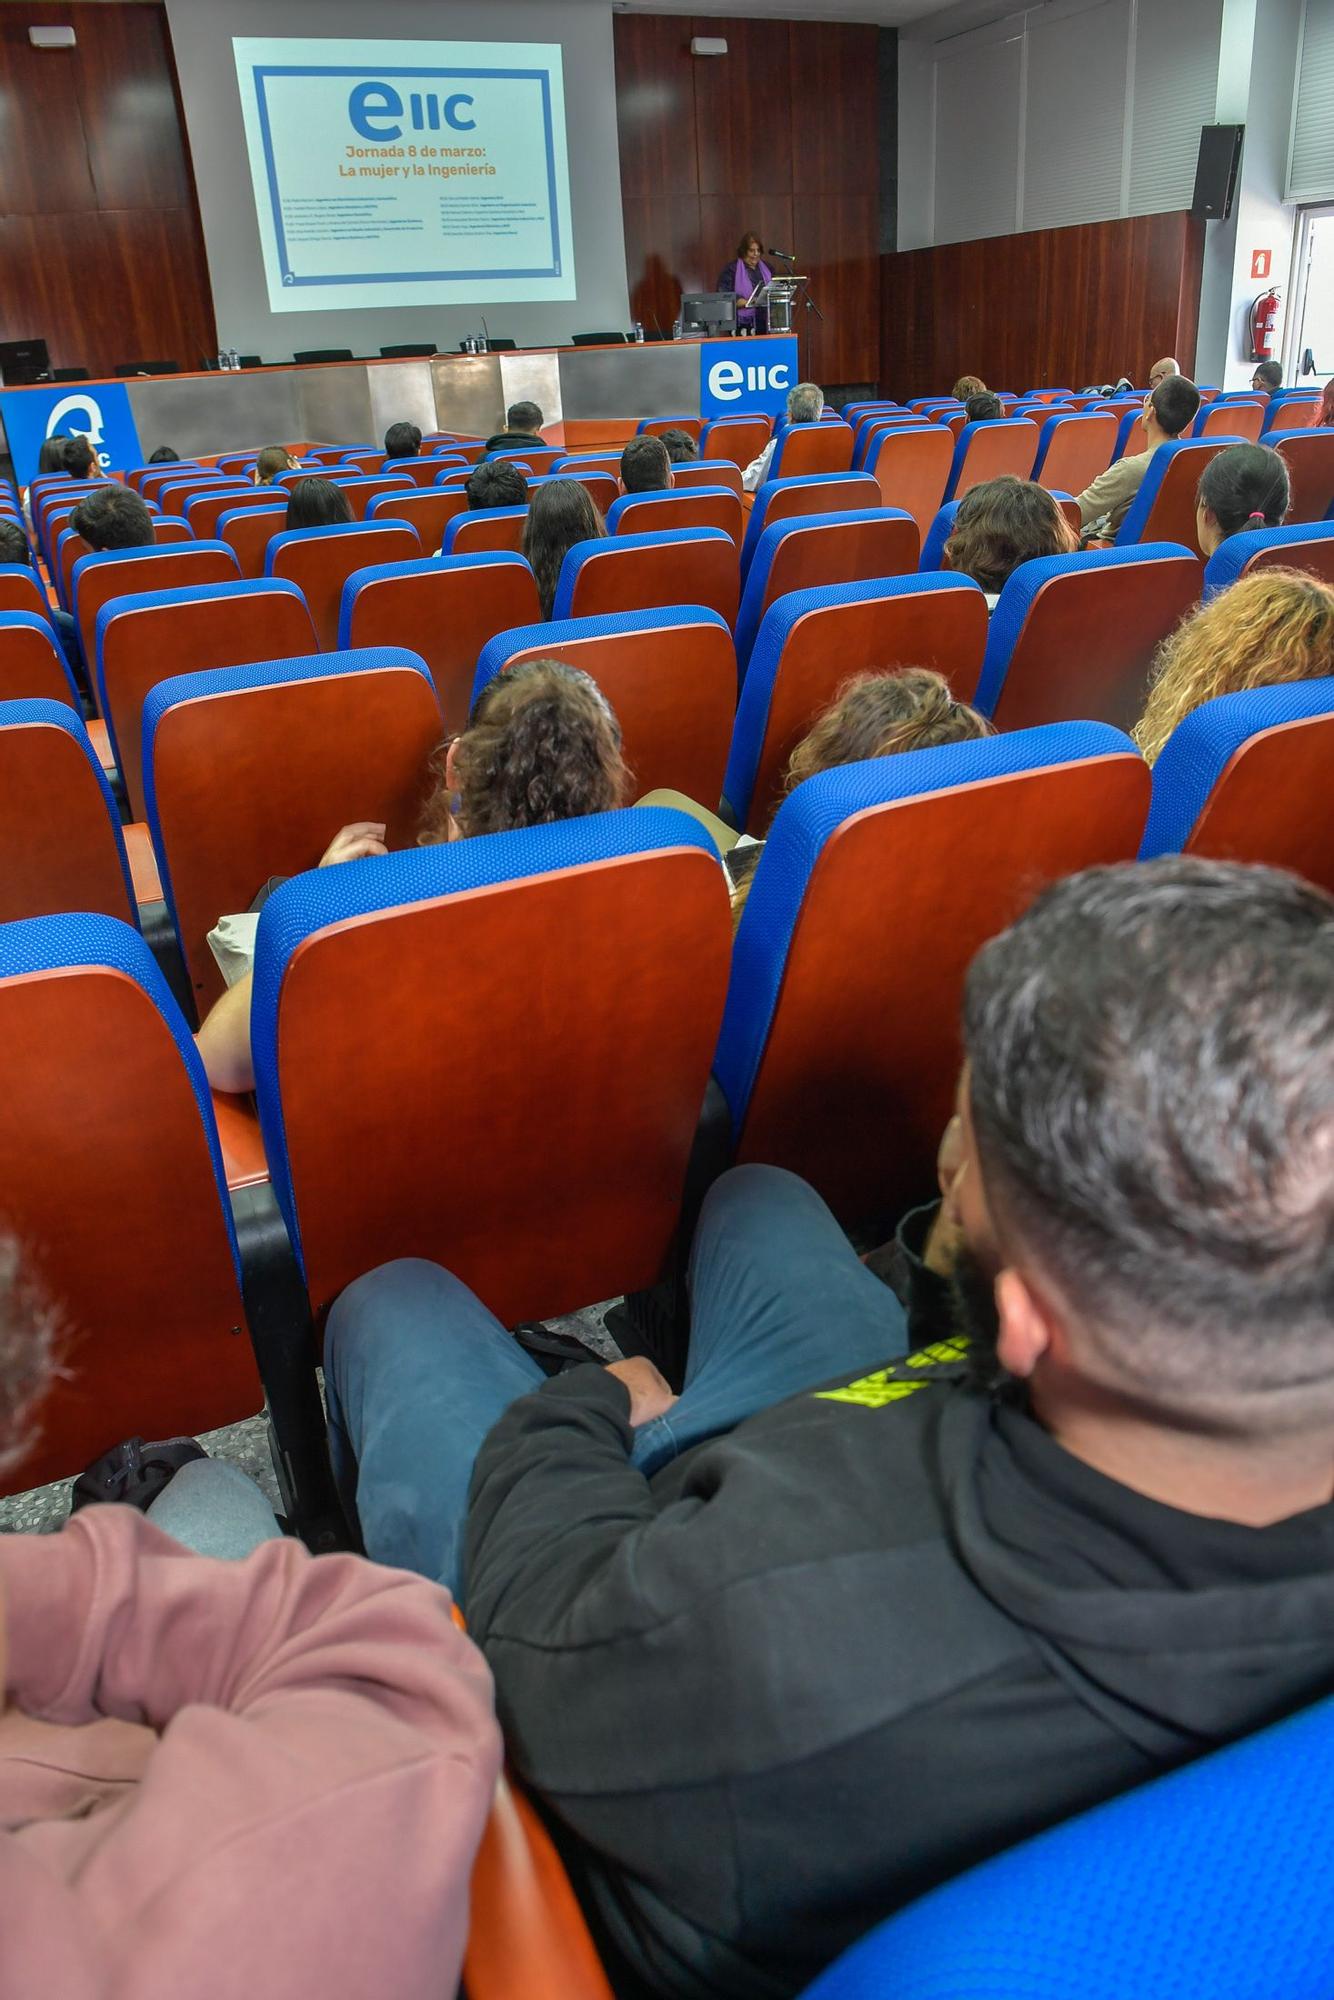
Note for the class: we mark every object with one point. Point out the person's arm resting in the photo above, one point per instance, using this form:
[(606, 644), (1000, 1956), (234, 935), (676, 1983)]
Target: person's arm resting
[(224, 1040)]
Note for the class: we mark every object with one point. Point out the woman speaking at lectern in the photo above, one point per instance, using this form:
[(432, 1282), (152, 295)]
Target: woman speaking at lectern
[(742, 276)]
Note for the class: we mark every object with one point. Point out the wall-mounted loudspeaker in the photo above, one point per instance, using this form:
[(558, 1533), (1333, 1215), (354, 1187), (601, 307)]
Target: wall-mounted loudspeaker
[(52, 38), (1216, 173), (708, 45)]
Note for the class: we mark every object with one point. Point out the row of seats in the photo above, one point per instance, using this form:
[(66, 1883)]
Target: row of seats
[(398, 978)]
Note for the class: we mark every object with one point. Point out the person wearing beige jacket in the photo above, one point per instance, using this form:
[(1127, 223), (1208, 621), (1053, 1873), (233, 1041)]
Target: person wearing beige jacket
[(1103, 506)]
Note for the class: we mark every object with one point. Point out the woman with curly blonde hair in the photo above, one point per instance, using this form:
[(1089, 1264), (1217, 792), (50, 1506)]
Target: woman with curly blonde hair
[(1273, 626)]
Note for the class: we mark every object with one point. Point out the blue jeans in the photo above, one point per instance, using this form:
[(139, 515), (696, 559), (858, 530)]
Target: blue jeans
[(417, 1370), (213, 1508)]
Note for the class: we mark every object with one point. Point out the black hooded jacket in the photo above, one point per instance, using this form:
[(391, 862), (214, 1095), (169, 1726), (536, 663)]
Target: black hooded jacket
[(876, 1633)]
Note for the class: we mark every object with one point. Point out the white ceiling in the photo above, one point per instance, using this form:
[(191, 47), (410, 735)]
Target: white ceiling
[(889, 13)]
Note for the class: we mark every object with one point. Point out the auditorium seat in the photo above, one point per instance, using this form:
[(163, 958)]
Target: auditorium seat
[(250, 772), (241, 462), (1073, 637), (813, 549), (32, 666), (112, 573), (1292, 410), (741, 439), (172, 494), (570, 465), (986, 450), (404, 978), (642, 572), (812, 642), (708, 472), (801, 450), (248, 531), (153, 481), (427, 511), (142, 638), (526, 1932), (367, 461), (59, 826), (421, 471), (1245, 777), (360, 492), (537, 457), (484, 530), (815, 493), (137, 475), (911, 467), (670, 676), (655, 426), (840, 1045), (1208, 1881), (320, 560), (204, 510), (1164, 508), (111, 1171), (20, 590), (1073, 450), (1130, 435), (1307, 545), (1227, 419), (1309, 457), (456, 477), (688, 507), (444, 609), (602, 488), (172, 528)]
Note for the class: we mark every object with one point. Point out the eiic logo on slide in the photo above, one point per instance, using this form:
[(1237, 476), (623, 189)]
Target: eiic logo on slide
[(738, 376), (102, 415)]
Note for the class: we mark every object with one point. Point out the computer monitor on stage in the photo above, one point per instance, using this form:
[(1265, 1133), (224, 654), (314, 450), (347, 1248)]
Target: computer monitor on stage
[(708, 312), (24, 362)]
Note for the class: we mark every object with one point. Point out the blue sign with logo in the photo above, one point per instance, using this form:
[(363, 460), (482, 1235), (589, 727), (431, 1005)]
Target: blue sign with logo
[(99, 411), (741, 375)]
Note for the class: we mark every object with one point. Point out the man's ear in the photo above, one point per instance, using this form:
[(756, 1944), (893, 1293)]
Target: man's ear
[(1026, 1325)]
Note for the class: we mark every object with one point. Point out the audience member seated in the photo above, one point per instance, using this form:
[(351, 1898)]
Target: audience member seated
[(805, 403), (14, 545), (781, 1652), (966, 386), (496, 482), (523, 426), (1244, 487), (402, 441), (874, 715), (559, 515), (114, 517), (273, 462), (170, 1723), (1324, 410), (1268, 379), (984, 408), (542, 744), (646, 465), (682, 449), (1273, 626), (317, 503), (1161, 370), (80, 459), (16, 548), (165, 454), (50, 458), (1167, 411), (1000, 524)]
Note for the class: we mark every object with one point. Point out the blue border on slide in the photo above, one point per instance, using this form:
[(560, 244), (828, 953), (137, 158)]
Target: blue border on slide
[(259, 72)]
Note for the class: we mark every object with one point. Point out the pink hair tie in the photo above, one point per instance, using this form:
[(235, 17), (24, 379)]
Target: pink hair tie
[(1256, 515)]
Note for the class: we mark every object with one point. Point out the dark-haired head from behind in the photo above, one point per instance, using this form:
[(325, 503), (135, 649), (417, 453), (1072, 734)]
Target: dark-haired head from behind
[(113, 518), (1175, 403), (51, 457), (496, 482), (14, 545), (984, 408), (681, 447), (646, 466), (78, 457), (317, 503), (1246, 486), (402, 441), (1002, 523), (524, 417), (1150, 1102), (559, 515), (165, 454)]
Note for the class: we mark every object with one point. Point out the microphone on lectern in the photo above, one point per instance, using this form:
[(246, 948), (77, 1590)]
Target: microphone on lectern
[(786, 255)]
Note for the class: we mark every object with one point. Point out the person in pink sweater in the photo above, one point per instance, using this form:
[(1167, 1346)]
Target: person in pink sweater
[(265, 1777)]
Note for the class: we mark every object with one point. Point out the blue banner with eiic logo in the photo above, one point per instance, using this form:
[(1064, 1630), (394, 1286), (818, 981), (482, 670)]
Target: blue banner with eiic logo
[(740, 375), (99, 411)]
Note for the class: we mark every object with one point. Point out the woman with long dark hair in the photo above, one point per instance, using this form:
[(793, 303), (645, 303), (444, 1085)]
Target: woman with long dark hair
[(559, 515)]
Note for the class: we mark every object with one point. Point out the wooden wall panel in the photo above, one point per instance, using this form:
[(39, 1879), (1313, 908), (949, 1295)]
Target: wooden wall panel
[(781, 135), (101, 250), (1049, 308)]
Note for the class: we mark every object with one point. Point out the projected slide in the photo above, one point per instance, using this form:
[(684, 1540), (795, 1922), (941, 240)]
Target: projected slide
[(407, 173)]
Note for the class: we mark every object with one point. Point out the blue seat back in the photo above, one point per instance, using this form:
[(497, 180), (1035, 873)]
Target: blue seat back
[(62, 837), (1306, 545), (821, 549), (936, 536), (1173, 474), (1209, 1881), (815, 492)]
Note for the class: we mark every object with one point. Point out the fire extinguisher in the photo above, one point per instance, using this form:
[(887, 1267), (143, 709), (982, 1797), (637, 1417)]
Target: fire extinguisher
[(1264, 318)]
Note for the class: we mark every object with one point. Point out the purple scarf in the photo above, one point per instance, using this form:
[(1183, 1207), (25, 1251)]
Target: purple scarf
[(742, 282)]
